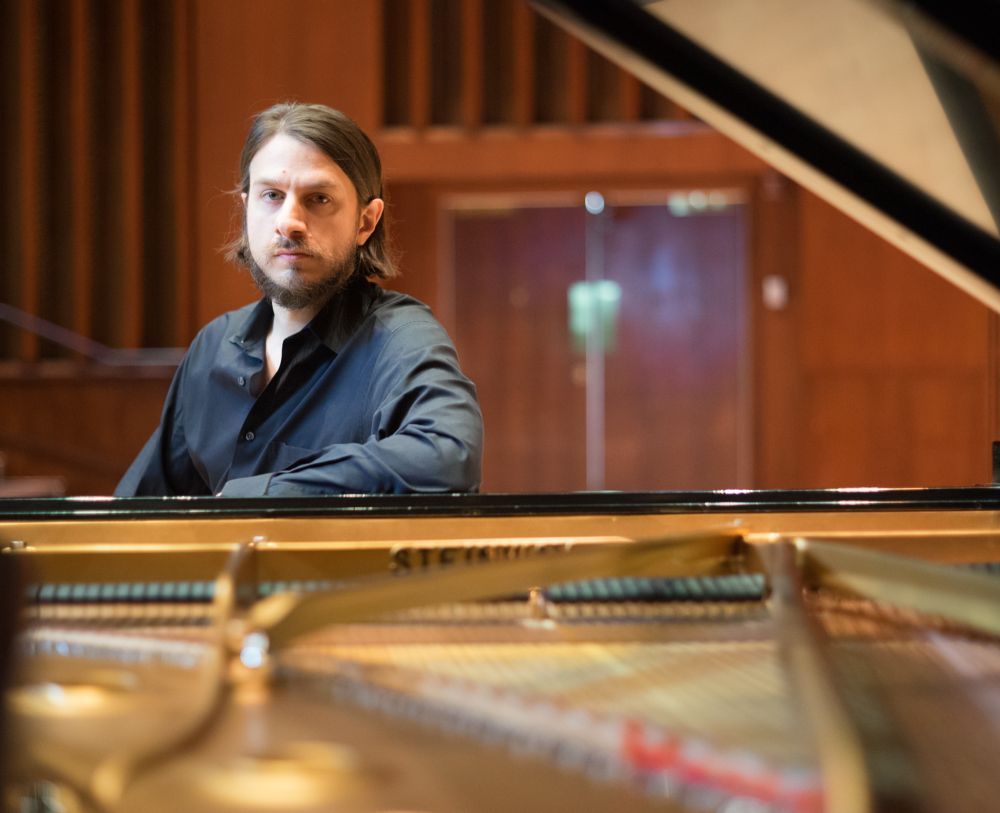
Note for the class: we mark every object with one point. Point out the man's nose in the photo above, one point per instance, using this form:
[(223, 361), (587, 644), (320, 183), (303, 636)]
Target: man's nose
[(291, 218)]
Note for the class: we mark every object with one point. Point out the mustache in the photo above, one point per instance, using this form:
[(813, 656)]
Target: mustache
[(288, 244)]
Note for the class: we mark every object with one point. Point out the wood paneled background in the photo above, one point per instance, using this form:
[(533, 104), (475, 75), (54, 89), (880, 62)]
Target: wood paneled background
[(125, 120)]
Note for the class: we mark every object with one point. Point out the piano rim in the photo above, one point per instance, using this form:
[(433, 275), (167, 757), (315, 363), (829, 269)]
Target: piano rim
[(968, 498)]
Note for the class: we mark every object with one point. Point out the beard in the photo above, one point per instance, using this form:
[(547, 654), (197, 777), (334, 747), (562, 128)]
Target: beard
[(300, 293)]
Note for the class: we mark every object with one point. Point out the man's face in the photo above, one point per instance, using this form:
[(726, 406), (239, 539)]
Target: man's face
[(304, 223)]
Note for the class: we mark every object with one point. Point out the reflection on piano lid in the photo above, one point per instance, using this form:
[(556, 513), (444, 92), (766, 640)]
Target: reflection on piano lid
[(889, 110)]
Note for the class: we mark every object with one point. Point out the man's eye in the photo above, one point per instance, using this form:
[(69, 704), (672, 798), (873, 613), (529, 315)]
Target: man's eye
[(271, 194), (321, 199)]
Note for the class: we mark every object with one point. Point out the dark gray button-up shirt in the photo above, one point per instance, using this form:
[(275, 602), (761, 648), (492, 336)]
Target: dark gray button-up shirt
[(369, 398)]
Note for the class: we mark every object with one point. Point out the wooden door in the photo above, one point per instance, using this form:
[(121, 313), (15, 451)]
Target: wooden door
[(672, 387), (677, 391)]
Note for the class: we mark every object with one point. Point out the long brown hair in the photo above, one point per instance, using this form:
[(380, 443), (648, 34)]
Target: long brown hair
[(339, 137)]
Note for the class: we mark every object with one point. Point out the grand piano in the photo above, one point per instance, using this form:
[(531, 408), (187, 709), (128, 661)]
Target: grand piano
[(827, 650)]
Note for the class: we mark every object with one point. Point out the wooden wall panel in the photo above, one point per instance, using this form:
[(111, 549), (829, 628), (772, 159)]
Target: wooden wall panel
[(522, 102), (690, 155), (81, 178), (774, 331), (90, 86), (576, 82), (184, 148), (83, 428), (129, 289), (416, 223), (876, 306), (9, 172), (894, 429), (420, 74), (894, 364), (471, 39), (28, 209)]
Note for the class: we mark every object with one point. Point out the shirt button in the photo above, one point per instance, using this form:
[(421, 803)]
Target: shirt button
[(241, 380), (249, 436)]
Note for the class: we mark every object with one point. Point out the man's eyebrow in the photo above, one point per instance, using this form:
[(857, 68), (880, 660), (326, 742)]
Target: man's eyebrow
[(309, 183)]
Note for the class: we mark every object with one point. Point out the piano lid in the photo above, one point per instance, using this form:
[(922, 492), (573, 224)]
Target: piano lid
[(889, 110)]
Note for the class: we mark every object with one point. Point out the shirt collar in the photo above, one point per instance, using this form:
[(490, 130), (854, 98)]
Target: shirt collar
[(249, 325), (341, 316)]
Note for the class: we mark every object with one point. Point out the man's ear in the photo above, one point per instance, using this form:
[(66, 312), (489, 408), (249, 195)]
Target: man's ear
[(243, 197), (370, 216)]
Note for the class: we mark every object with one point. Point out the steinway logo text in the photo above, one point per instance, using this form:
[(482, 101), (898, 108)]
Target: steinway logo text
[(403, 559)]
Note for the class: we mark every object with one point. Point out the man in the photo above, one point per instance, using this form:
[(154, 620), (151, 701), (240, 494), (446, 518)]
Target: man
[(329, 384)]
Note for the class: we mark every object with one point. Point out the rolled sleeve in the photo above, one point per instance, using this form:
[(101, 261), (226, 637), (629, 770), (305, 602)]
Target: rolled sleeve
[(256, 486)]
